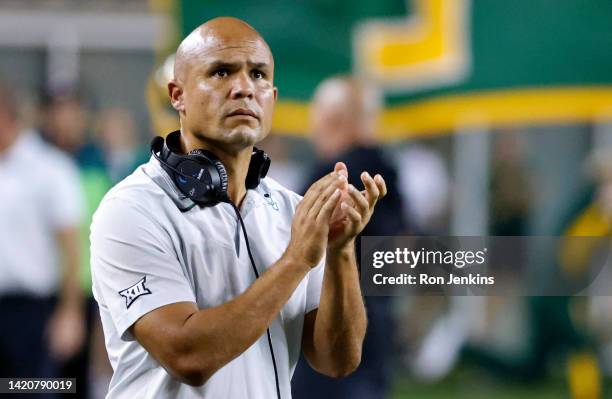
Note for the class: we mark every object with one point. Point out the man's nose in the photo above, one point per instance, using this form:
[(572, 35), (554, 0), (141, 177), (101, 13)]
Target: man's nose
[(242, 87)]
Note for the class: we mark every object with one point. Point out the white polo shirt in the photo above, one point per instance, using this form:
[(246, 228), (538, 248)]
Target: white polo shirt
[(41, 194), (146, 253)]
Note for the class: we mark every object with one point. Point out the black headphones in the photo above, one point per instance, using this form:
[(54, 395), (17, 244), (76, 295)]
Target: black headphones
[(200, 175)]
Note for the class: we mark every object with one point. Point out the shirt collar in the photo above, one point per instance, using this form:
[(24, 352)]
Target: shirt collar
[(253, 199)]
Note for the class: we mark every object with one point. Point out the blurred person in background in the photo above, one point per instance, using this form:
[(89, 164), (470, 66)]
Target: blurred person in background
[(118, 137), (65, 122), (344, 118), (555, 333), (41, 301)]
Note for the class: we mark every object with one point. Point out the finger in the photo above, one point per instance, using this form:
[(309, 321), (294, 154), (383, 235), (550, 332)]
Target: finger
[(315, 190), (324, 196), (381, 184), (372, 192), (340, 167), (321, 183), (328, 207), (325, 181), (361, 203), (353, 216)]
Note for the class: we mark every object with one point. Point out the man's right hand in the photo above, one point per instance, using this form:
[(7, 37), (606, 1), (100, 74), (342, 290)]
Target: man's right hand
[(310, 226)]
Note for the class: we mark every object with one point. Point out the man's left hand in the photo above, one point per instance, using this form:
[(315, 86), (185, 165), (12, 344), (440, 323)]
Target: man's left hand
[(358, 207)]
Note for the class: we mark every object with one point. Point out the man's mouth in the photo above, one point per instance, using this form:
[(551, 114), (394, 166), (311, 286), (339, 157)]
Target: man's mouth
[(243, 112)]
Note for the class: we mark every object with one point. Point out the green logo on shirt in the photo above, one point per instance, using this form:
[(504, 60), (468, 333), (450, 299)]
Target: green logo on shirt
[(271, 201)]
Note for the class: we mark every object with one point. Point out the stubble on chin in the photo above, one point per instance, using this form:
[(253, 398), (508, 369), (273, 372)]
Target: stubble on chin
[(236, 137)]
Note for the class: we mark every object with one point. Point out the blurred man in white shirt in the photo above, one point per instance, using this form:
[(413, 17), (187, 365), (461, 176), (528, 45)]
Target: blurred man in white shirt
[(41, 302)]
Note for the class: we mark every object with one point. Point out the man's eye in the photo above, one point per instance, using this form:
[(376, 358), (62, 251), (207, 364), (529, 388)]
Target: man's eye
[(221, 73), (258, 75)]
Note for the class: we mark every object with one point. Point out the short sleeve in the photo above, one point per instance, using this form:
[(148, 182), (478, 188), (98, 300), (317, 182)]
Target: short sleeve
[(134, 267), (66, 205)]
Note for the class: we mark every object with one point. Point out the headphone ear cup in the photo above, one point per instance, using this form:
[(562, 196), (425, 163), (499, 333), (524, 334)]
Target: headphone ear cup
[(157, 144), (195, 182), (218, 179), (258, 168), (199, 175)]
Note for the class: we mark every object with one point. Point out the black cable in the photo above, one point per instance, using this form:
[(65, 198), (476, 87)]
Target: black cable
[(246, 238)]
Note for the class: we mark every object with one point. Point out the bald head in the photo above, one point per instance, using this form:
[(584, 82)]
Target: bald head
[(223, 86), (215, 35), (344, 112)]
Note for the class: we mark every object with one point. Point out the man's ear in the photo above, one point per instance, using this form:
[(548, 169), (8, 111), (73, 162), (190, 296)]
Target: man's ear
[(175, 91), (275, 93)]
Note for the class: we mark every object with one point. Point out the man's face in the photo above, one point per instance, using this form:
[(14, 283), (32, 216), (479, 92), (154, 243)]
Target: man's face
[(332, 124), (66, 121), (228, 93)]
